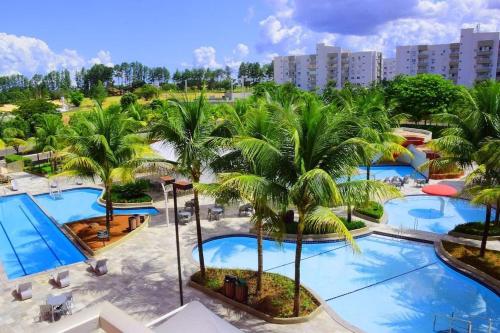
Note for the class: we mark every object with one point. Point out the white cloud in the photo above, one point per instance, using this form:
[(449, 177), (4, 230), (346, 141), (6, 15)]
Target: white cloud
[(29, 55), (241, 50), (250, 15), (204, 56), (103, 57), (275, 32)]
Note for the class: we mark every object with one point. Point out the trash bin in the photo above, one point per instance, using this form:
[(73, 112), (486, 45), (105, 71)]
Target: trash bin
[(141, 218), (241, 291), (229, 285), (132, 223)]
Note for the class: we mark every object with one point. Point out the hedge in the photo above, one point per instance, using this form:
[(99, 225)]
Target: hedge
[(291, 228), (371, 209), (476, 228), (15, 158)]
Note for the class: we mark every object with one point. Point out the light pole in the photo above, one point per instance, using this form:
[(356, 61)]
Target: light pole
[(166, 181), (182, 185)]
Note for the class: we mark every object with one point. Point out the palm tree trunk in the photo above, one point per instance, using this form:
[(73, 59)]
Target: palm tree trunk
[(298, 255), (260, 258), (485, 231), (198, 232), (349, 208), (368, 166), (108, 208)]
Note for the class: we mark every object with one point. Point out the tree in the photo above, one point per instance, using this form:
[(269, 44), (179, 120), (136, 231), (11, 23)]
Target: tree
[(147, 91), (76, 97), (48, 137), (187, 126), (422, 95), (99, 93), (32, 110), (105, 145), (14, 138), (128, 99)]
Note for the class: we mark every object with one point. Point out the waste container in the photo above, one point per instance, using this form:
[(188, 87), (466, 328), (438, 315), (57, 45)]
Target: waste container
[(132, 222), (241, 291), (229, 285)]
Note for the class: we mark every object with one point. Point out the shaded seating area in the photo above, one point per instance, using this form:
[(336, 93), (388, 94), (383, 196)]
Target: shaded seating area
[(216, 212), (56, 306), (245, 210)]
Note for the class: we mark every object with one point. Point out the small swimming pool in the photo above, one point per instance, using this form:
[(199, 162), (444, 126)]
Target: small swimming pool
[(392, 286), (81, 203), (29, 241), (432, 213), (380, 172)]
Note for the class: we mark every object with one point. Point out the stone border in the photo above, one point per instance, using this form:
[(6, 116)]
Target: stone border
[(256, 313), (125, 205), (383, 219), (466, 269), (469, 236), (314, 237), (94, 253)]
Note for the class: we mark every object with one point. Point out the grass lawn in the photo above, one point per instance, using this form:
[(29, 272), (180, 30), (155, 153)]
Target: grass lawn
[(490, 264), (277, 291)]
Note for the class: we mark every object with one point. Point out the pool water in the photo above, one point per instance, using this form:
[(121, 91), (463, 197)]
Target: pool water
[(391, 286), (432, 213), (29, 241), (81, 203), (380, 172)]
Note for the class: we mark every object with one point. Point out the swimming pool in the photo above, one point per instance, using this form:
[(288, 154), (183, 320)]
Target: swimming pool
[(392, 286), (81, 203), (432, 213), (29, 241), (380, 172)]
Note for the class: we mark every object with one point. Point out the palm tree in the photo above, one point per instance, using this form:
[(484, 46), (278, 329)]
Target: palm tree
[(240, 178), (104, 145), (306, 159), (187, 126), (48, 136), (14, 137)]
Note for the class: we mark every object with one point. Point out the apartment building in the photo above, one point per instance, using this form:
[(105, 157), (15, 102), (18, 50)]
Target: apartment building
[(329, 63), (388, 68), (474, 58)]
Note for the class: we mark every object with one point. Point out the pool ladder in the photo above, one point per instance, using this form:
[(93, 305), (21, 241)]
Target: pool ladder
[(456, 324), (55, 191)]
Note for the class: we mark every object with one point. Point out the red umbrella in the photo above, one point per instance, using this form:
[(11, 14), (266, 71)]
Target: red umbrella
[(440, 189)]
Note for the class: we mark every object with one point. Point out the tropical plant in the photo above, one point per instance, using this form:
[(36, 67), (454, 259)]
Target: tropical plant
[(15, 138), (48, 137), (99, 93), (76, 97), (187, 126), (105, 145)]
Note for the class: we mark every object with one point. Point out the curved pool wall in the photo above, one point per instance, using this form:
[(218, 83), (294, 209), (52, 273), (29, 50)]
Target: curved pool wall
[(391, 286), (81, 203), (30, 242), (380, 172), (432, 213)]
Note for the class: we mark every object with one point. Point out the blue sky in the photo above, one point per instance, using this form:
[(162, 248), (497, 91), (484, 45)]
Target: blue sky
[(38, 36)]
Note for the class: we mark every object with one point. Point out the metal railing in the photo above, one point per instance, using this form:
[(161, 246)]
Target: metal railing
[(452, 321)]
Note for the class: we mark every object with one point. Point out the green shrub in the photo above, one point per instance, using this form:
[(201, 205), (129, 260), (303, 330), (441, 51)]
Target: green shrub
[(128, 99), (476, 228), (291, 228), (15, 158), (371, 209), (76, 98), (132, 192)]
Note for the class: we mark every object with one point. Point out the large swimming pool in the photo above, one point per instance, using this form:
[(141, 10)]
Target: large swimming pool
[(29, 241), (432, 213), (391, 286), (81, 203), (381, 172)]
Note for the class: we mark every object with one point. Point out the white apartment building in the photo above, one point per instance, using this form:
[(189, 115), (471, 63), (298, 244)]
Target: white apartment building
[(388, 68), (474, 58), (330, 63)]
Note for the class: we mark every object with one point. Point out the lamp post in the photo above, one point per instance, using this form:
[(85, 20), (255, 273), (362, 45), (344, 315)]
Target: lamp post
[(181, 185)]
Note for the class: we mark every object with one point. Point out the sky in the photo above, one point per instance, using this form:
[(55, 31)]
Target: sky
[(40, 36)]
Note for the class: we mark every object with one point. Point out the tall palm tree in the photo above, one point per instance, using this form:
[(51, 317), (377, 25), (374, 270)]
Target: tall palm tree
[(105, 145), (187, 126), (48, 137), (307, 159)]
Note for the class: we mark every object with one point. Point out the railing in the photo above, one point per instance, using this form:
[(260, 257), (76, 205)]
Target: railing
[(452, 321), (464, 323)]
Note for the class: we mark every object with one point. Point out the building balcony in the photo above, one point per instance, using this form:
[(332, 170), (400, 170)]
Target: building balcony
[(484, 69), (423, 56), (482, 60), (484, 53)]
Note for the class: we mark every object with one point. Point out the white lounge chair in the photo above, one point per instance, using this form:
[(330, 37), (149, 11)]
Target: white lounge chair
[(62, 279), (98, 266), (24, 291)]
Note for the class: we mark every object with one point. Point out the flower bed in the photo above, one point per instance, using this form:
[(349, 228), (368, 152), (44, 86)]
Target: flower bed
[(490, 264), (276, 299)]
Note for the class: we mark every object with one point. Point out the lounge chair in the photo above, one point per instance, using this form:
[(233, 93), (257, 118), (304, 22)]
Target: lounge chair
[(61, 279), (24, 291), (406, 179), (245, 210), (13, 185), (98, 266)]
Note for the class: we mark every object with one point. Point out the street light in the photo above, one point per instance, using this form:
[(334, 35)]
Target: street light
[(182, 185)]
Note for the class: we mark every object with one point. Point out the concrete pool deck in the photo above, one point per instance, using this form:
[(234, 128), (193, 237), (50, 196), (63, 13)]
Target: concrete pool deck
[(142, 278)]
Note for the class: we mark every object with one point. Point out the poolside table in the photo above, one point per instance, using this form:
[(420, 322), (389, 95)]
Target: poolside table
[(56, 302)]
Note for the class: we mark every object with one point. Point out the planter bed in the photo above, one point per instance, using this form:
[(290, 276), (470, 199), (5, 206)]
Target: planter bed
[(275, 305)]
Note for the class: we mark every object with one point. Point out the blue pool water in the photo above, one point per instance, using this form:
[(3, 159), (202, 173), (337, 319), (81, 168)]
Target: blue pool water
[(29, 241), (391, 286), (81, 203), (380, 172), (432, 213)]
